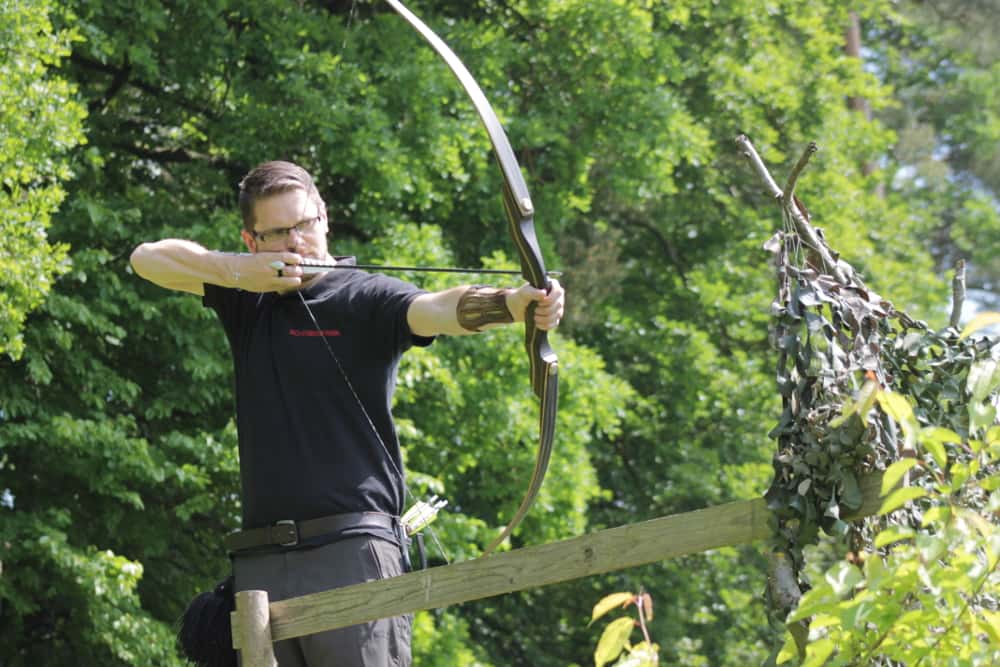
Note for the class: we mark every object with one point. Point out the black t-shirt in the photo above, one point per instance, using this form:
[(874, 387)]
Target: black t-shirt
[(306, 447)]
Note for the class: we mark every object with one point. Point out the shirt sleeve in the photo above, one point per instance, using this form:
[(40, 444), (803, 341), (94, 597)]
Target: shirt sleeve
[(393, 298), (226, 303)]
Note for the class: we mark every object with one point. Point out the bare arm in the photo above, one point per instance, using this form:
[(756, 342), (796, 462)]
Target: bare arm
[(459, 311), (186, 266)]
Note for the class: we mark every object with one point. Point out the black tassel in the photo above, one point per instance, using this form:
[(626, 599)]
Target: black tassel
[(206, 635)]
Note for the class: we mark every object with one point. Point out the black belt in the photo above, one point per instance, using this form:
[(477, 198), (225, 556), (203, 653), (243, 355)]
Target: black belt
[(289, 533)]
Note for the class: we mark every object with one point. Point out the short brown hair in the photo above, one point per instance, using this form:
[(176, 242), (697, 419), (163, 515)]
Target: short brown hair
[(273, 178)]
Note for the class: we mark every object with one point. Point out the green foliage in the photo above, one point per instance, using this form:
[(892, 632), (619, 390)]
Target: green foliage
[(943, 61), (831, 330), (614, 644), (99, 619), (40, 122), (927, 596), (115, 424), (442, 640)]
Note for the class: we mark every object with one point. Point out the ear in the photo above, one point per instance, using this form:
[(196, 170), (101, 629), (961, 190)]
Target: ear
[(249, 240)]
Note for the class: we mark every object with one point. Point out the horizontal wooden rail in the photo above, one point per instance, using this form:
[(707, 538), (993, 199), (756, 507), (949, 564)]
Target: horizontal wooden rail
[(604, 551)]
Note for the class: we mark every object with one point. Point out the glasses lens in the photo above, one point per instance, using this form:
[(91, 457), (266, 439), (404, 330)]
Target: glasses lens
[(282, 234)]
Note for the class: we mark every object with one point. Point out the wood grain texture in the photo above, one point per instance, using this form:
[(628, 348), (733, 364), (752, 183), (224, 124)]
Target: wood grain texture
[(604, 551), (531, 567), (252, 630)]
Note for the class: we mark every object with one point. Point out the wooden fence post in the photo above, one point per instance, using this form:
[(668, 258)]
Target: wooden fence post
[(252, 629)]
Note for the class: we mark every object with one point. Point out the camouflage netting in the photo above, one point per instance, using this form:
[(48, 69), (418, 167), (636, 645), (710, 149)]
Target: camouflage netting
[(838, 342)]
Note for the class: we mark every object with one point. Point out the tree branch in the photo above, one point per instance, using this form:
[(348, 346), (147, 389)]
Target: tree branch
[(793, 178), (665, 244), (807, 233), (958, 294), (178, 155), (148, 88), (121, 78)]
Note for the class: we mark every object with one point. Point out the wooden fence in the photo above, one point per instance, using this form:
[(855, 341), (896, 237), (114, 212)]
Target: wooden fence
[(257, 622)]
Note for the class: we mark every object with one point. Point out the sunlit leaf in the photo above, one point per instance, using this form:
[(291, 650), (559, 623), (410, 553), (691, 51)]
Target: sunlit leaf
[(613, 641), (892, 535), (789, 651), (609, 602), (900, 497), (895, 472), (981, 415), (818, 651), (820, 621), (820, 598), (984, 379), (936, 514), (991, 624), (934, 439), (896, 406), (980, 321), (843, 577)]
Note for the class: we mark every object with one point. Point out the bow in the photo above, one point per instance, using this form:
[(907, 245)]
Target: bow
[(520, 216)]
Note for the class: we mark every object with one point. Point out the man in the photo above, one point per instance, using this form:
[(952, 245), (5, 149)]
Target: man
[(315, 359)]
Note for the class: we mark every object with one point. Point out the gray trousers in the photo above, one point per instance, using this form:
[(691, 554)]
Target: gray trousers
[(383, 643)]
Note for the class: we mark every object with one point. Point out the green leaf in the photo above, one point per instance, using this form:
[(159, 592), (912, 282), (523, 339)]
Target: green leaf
[(991, 624), (893, 534), (851, 496), (938, 453), (820, 599), (981, 415), (613, 641), (934, 439), (818, 651), (856, 614), (930, 546), (643, 654), (936, 514), (843, 577), (940, 434), (900, 497), (984, 379), (789, 651), (985, 528), (861, 404), (895, 472), (867, 396), (980, 321), (896, 406), (821, 621), (609, 602)]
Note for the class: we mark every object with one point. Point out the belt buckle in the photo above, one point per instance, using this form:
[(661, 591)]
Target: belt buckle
[(294, 532)]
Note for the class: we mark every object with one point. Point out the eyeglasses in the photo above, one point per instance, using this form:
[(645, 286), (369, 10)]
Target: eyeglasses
[(272, 235)]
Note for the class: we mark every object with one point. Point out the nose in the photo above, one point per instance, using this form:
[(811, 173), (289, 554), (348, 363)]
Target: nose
[(295, 240)]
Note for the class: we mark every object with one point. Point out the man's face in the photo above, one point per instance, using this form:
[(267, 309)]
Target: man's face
[(288, 221)]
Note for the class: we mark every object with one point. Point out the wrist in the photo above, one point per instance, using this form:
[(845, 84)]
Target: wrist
[(231, 273)]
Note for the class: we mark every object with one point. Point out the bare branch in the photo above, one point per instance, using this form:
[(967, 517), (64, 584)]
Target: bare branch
[(793, 177), (958, 293), (750, 153), (806, 232)]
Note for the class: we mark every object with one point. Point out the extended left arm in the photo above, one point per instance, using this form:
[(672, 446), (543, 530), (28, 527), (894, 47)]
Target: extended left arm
[(470, 309)]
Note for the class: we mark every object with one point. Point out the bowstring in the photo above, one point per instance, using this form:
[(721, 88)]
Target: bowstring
[(350, 21), (350, 385), (351, 15)]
